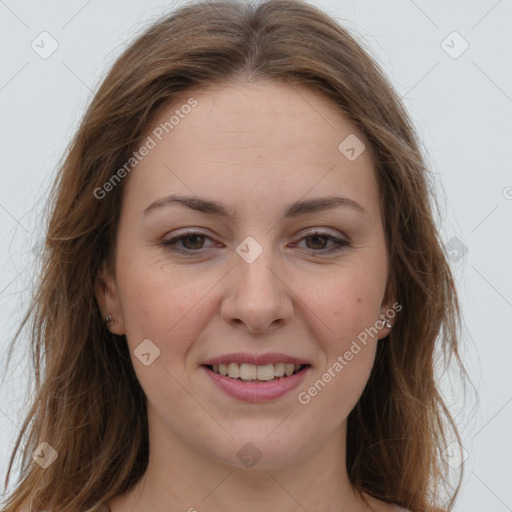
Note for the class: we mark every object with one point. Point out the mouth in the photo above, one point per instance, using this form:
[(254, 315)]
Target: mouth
[(248, 382), (246, 372), (256, 378)]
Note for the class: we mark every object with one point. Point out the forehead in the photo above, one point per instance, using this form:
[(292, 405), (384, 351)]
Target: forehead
[(262, 138)]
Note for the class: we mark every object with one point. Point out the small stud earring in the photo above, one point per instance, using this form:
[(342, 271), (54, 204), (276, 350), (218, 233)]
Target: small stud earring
[(386, 322), (108, 321)]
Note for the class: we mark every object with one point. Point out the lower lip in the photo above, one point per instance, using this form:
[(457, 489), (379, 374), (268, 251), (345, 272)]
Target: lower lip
[(257, 392)]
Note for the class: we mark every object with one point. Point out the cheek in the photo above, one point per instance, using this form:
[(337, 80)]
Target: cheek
[(346, 301), (164, 307), (162, 304), (344, 308), (341, 377)]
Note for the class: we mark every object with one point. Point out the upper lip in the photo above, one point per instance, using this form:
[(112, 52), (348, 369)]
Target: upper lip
[(256, 359)]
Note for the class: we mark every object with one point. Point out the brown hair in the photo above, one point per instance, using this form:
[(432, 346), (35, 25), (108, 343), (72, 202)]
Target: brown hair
[(88, 403)]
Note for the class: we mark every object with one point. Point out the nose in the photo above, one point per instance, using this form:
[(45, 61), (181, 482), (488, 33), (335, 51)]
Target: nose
[(257, 297)]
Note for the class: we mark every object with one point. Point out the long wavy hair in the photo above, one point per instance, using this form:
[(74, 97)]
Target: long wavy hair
[(88, 404)]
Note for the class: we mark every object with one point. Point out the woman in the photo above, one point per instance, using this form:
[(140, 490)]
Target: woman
[(243, 285)]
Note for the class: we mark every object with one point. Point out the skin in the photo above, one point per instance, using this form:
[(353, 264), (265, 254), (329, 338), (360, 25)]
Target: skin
[(256, 148)]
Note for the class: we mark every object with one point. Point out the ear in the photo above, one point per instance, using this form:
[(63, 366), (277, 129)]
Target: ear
[(388, 312), (105, 290)]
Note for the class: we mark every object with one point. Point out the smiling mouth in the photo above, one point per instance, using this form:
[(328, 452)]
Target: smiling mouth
[(256, 373)]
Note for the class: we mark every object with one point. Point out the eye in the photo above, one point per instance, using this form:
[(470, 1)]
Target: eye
[(190, 242), (316, 242)]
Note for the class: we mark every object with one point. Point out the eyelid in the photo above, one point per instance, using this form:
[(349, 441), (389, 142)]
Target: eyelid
[(340, 242), (321, 232), (181, 234)]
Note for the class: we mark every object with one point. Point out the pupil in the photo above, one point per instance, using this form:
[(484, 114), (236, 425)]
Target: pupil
[(319, 239), (194, 237)]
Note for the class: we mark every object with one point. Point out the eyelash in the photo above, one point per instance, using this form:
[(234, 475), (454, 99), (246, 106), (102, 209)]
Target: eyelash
[(340, 244)]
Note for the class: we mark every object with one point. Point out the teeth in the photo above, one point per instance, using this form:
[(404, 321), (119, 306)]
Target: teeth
[(279, 369), (266, 372), (233, 370), (247, 371)]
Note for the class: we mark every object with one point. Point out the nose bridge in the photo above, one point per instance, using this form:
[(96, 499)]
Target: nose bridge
[(257, 296)]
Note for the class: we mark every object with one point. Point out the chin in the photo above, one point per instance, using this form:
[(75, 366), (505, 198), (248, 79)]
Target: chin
[(261, 451)]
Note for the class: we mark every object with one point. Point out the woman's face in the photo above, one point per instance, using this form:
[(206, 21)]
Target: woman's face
[(250, 233)]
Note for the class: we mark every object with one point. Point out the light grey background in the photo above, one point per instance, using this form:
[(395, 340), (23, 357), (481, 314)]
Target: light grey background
[(461, 106)]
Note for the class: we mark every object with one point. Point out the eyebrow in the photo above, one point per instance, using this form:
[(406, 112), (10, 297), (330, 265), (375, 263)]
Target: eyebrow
[(295, 209)]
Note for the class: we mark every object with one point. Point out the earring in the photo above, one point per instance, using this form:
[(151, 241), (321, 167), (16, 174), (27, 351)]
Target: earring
[(108, 321), (386, 321)]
